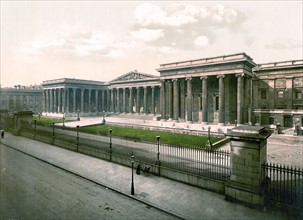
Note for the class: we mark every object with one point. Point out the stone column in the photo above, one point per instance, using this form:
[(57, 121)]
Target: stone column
[(176, 99), (118, 100), (145, 100), (221, 100), (163, 101), (96, 100), (189, 101), (112, 100), (74, 100), (153, 100), (170, 100), (67, 101), (240, 98), (103, 100), (247, 182), (131, 99), (59, 100), (51, 104), (63, 100), (138, 101), (47, 100), (108, 107), (182, 99), (82, 100), (204, 101), (124, 100), (55, 101), (89, 100)]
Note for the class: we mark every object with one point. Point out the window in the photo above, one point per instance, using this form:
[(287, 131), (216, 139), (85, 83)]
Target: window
[(280, 94), (263, 94)]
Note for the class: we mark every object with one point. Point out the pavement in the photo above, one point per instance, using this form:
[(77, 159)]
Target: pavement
[(184, 201)]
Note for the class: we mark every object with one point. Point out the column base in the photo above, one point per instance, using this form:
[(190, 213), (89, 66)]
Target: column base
[(221, 124), (163, 120), (204, 122), (247, 195)]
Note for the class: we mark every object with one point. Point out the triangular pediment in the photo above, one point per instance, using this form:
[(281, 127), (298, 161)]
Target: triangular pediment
[(133, 75)]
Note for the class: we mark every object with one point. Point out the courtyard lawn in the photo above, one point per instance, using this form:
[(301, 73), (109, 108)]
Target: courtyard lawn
[(47, 121), (147, 135)]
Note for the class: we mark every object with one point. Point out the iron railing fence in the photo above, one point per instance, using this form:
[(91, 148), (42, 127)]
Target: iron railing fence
[(285, 184), (200, 161)]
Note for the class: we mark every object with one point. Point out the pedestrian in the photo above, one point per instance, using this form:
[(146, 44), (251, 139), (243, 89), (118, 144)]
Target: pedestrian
[(138, 169), (2, 133)]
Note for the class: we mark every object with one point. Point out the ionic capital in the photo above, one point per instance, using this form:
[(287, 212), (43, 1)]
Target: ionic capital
[(220, 76), (239, 75)]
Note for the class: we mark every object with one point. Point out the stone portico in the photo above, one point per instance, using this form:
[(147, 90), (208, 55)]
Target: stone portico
[(215, 90), (68, 97)]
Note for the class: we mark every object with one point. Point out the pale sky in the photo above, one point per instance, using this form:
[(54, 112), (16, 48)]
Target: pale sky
[(101, 40)]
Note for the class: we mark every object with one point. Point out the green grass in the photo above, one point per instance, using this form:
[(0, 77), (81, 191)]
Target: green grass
[(47, 121), (147, 135)]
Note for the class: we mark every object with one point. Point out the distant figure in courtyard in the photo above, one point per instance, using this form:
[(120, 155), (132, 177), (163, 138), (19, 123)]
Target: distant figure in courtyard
[(2, 133)]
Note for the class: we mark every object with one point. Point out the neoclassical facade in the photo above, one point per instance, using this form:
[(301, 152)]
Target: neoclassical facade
[(21, 98), (230, 89), (74, 96)]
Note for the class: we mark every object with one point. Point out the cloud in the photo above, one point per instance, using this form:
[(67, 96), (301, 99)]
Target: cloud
[(201, 41), (283, 44), (147, 34), (79, 44), (188, 26)]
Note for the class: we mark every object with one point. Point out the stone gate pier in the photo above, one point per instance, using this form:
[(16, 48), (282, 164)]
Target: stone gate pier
[(248, 153)]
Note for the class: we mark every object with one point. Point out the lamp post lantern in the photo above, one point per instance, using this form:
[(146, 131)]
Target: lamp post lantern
[(132, 160), (78, 112), (158, 151)]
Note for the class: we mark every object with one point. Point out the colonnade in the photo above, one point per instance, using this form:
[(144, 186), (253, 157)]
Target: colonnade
[(73, 100), (177, 104), (139, 100), (175, 99)]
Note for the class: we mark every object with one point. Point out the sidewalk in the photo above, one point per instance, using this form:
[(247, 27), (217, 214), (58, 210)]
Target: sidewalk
[(185, 201)]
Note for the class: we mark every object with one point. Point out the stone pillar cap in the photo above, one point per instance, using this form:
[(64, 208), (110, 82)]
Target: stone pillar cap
[(255, 132)]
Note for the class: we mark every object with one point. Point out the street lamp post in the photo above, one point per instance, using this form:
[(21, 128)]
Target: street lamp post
[(103, 121), (132, 190), (35, 123), (53, 133), (158, 152), (78, 137), (39, 116), (63, 121), (110, 141), (78, 111), (209, 144)]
